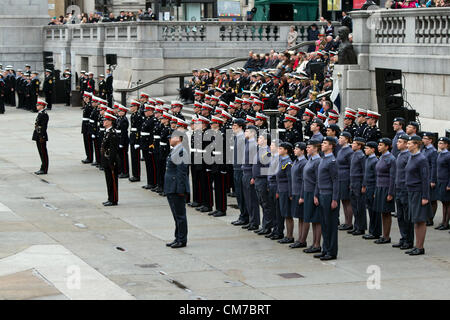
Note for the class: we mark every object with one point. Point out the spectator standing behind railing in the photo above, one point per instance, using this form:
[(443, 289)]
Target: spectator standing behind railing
[(347, 21), (313, 34), (292, 37)]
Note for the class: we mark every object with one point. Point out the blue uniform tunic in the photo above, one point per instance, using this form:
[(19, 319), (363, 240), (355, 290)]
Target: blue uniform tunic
[(395, 150), (284, 185), (259, 174), (385, 170), (430, 154), (369, 181), (405, 226), (358, 199), (274, 204), (297, 186), (443, 175), (310, 210), (343, 161)]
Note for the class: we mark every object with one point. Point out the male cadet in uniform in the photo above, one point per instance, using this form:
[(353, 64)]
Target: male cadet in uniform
[(90, 83), (2, 94), (327, 197), (349, 122), (124, 141), (430, 153), (176, 185), (176, 109), (147, 146), (164, 149), (67, 86), (308, 117), (398, 124), (20, 88), (34, 90), (372, 132), (291, 135), (412, 128), (109, 87), (27, 96), (93, 129), (87, 140), (12, 86), (40, 135), (83, 83), (109, 150), (135, 127), (361, 122), (102, 86), (48, 88)]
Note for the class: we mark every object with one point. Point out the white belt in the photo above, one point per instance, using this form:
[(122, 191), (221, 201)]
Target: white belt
[(157, 137), (145, 133), (118, 131), (193, 150), (163, 144), (92, 121), (102, 129), (231, 147), (134, 129), (281, 130), (86, 119), (201, 151), (217, 153)]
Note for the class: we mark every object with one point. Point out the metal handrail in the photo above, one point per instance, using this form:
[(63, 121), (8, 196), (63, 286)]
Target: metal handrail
[(181, 76)]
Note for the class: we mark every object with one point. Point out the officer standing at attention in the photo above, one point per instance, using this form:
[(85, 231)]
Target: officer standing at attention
[(102, 86), (109, 87), (176, 184), (368, 188), (34, 90), (327, 198), (443, 181), (357, 198), (48, 88), (87, 139), (147, 146), (67, 86), (430, 153), (372, 132), (124, 141), (109, 150), (135, 127), (40, 135), (398, 124), (284, 191), (2, 94)]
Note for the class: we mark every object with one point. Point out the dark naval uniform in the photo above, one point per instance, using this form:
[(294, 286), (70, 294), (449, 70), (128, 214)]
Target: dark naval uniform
[(358, 199), (48, 88), (110, 163), (124, 141), (372, 134), (87, 137), (93, 131), (164, 151), (41, 138), (249, 190), (369, 182), (135, 131), (147, 147)]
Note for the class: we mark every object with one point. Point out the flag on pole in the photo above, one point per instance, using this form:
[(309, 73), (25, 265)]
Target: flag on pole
[(336, 96)]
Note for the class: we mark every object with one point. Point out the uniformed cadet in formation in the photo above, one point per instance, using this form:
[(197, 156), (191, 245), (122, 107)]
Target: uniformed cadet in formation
[(85, 131), (40, 135), (67, 78), (110, 159), (49, 88)]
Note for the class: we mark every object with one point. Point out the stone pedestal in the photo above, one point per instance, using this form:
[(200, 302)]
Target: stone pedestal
[(354, 85), (21, 39)]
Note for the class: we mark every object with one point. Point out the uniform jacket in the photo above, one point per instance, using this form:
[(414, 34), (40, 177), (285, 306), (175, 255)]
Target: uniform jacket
[(40, 126), (297, 175), (176, 177), (443, 167), (109, 148), (327, 177)]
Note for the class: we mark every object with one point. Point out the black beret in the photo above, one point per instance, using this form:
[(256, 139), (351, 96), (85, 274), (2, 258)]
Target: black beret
[(360, 139), (414, 123), (372, 144), (300, 145), (428, 134), (286, 145), (399, 119), (331, 140), (334, 127), (415, 138), (313, 142), (404, 137), (386, 141), (346, 134), (444, 139)]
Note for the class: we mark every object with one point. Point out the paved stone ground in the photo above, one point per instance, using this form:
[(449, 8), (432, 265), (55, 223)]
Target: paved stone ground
[(58, 242)]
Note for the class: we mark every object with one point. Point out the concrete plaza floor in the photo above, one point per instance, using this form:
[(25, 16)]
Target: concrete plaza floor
[(57, 241)]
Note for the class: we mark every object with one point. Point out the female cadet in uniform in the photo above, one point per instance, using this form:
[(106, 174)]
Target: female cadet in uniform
[(368, 188), (274, 207), (384, 193), (418, 186), (334, 131), (430, 153), (358, 199), (343, 162), (443, 181), (327, 197), (311, 212), (284, 190), (297, 190)]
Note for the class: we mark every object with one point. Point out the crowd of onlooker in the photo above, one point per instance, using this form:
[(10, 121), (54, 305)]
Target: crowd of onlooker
[(124, 16)]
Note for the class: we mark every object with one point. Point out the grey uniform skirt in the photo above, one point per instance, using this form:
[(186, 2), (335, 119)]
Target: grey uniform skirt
[(311, 212), (416, 211), (434, 194), (380, 203), (296, 209), (442, 193), (344, 190)]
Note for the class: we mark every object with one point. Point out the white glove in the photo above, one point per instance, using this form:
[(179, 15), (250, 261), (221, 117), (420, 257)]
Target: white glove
[(120, 146), (136, 146), (93, 136)]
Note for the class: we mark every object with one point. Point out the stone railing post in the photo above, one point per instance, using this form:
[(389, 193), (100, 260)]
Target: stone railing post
[(212, 32)]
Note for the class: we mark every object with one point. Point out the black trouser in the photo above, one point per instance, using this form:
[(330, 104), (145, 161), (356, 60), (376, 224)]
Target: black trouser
[(329, 225), (124, 166), (110, 100), (274, 207), (162, 158), (251, 199), (2, 105), (67, 98), (13, 98), (87, 139), (177, 205), (112, 183), (230, 178), (33, 102), (48, 99), (27, 102), (262, 191), (42, 149), (20, 97), (135, 161), (220, 196), (358, 202), (150, 166), (375, 217), (207, 191), (97, 146), (196, 185), (99, 140), (405, 226), (238, 190)]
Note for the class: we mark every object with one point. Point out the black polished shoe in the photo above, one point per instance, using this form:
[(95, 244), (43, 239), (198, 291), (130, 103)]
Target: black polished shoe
[(232, 194), (397, 245), (312, 250), (123, 176), (406, 246), (178, 245), (212, 213), (101, 169), (319, 255), (297, 244), (246, 226), (430, 223), (259, 230), (206, 209), (345, 227), (393, 214), (86, 161), (382, 241), (94, 164), (358, 233), (110, 204), (219, 214), (200, 208), (134, 179), (416, 252), (276, 237), (193, 204), (154, 189), (269, 235), (351, 231), (253, 228), (327, 257), (264, 232), (370, 237), (439, 227), (286, 240), (39, 172), (172, 243), (147, 187), (162, 194), (239, 223)]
